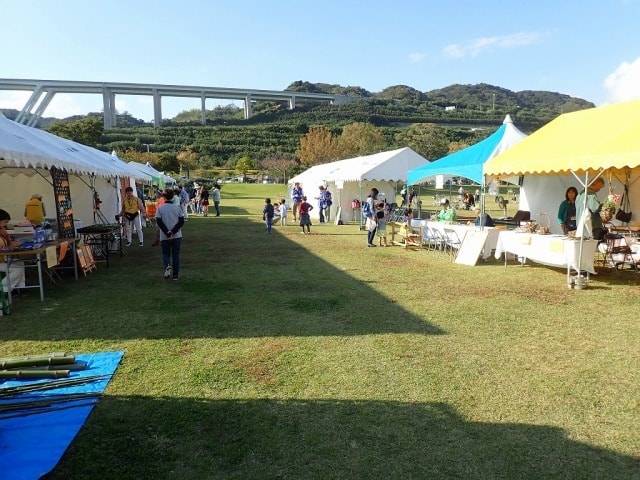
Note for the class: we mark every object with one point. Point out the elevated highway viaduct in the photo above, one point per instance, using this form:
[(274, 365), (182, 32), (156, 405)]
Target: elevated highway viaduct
[(43, 91)]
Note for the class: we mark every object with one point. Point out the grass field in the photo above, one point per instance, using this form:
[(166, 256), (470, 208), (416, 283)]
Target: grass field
[(291, 356)]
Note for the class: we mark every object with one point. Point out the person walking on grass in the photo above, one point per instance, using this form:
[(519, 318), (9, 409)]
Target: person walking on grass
[(204, 200), (184, 201), (267, 214), (381, 221), (305, 219), (368, 211), (170, 219), (296, 198), (132, 212), (215, 196), (283, 212)]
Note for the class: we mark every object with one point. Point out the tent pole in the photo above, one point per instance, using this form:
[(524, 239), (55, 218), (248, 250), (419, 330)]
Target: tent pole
[(482, 202), (360, 223), (584, 209)]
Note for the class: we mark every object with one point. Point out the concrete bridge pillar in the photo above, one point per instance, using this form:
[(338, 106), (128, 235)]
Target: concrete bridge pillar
[(109, 107), (248, 112), (203, 108), (42, 106), (157, 108), (23, 116)]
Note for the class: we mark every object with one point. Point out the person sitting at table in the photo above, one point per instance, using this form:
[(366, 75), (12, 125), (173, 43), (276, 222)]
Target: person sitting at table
[(16, 271), (34, 210), (482, 219), (447, 213)]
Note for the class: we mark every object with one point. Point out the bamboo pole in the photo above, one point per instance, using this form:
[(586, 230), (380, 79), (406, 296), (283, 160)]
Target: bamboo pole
[(32, 374), (79, 365), (36, 360)]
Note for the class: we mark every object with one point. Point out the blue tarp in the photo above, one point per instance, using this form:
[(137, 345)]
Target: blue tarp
[(32, 445), (469, 162)]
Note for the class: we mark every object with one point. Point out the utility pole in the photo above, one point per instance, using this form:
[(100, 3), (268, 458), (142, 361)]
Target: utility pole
[(148, 145)]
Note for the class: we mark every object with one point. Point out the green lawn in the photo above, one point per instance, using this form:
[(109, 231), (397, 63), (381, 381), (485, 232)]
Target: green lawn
[(313, 357)]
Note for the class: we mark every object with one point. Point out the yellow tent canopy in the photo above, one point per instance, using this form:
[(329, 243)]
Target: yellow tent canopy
[(592, 140)]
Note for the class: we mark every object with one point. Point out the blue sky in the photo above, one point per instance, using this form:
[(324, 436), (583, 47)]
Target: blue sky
[(587, 48)]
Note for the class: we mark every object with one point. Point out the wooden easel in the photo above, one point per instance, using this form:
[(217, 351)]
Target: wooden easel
[(86, 260)]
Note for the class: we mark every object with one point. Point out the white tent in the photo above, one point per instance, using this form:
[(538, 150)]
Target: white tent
[(353, 178), (26, 156), (157, 177)]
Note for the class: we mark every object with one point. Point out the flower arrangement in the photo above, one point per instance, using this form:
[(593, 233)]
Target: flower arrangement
[(609, 207), (612, 202)]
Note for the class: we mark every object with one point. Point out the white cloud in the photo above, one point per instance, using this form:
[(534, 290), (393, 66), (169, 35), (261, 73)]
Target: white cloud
[(15, 100), (624, 83), (454, 50), (62, 105), (416, 57), (479, 45)]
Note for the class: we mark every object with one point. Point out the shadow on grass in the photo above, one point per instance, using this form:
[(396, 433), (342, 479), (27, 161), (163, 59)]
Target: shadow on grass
[(137, 437), (235, 281)]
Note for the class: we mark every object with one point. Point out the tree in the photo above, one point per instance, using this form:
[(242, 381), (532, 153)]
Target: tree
[(188, 158), (87, 131), (456, 146), (278, 165), (243, 165), (133, 155), (167, 163), (317, 147), (360, 139), (427, 139)]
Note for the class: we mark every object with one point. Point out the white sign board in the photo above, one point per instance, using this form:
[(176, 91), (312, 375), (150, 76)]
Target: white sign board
[(472, 246)]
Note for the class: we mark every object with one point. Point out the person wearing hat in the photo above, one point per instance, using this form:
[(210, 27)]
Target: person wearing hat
[(34, 210), (132, 211), (447, 213)]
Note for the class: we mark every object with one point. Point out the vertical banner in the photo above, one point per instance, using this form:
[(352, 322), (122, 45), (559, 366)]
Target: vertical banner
[(64, 210)]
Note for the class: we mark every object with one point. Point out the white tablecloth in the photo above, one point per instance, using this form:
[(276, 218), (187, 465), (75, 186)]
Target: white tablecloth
[(552, 250), (461, 230)]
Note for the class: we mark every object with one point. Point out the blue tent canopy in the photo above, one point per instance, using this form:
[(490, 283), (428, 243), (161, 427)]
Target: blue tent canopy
[(468, 163)]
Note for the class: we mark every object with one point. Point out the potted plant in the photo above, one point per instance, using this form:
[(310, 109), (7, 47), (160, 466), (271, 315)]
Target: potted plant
[(609, 206)]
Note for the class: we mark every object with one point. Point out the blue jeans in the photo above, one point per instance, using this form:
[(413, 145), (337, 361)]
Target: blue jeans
[(171, 251), (217, 207), (269, 222)]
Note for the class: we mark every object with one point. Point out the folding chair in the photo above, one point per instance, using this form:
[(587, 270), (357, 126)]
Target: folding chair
[(431, 238), (439, 241), (397, 215), (428, 238), (617, 252), (452, 242)]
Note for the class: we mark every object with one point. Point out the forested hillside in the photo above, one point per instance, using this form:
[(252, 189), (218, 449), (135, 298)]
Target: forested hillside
[(458, 115)]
